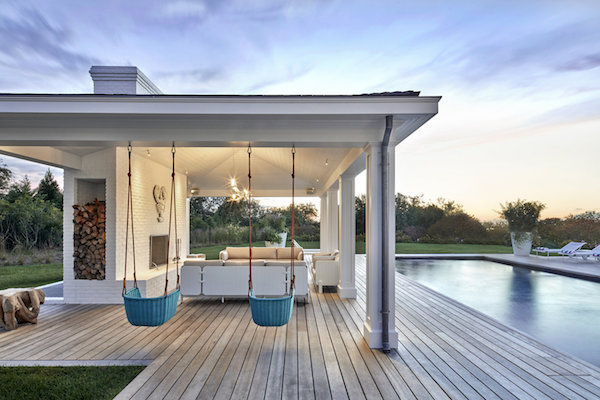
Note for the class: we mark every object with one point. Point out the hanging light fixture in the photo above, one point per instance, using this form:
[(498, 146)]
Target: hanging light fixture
[(238, 194)]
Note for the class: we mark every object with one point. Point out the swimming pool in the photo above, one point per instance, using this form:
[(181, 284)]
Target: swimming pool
[(559, 311)]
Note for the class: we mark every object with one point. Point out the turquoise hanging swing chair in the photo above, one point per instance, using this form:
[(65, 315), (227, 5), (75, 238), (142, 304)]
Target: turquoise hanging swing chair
[(270, 311), (150, 311)]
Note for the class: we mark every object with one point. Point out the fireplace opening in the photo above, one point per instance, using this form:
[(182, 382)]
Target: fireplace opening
[(158, 250)]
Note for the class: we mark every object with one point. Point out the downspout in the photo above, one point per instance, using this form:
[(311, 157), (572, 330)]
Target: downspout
[(385, 224)]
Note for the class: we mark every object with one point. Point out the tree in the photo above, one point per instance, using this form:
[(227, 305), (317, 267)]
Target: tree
[(360, 204), (458, 227), (28, 221), (21, 189), (48, 190), (5, 177)]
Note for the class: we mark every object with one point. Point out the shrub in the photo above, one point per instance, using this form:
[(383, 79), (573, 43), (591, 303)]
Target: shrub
[(497, 233), (556, 232), (458, 227), (521, 215)]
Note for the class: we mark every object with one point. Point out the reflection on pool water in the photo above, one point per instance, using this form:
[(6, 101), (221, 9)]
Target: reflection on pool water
[(561, 312)]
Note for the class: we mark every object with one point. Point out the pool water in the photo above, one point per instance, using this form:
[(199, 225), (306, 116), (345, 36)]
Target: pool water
[(559, 311)]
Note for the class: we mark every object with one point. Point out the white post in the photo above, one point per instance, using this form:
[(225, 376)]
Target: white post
[(186, 248), (332, 219), (323, 224), (374, 215), (347, 238)]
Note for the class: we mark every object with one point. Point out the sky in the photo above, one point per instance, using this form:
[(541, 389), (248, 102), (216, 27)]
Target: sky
[(520, 80)]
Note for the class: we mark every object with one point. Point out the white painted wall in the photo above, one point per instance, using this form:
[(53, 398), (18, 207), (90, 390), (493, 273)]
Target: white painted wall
[(111, 165), (145, 174), (99, 165)]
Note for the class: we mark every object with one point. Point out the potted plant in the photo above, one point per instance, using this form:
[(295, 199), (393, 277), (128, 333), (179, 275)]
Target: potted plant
[(522, 217), (271, 237), (274, 231)]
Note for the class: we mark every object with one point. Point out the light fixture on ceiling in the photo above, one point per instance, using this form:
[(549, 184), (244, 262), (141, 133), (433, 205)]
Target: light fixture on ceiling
[(326, 161), (147, 152), (237, 194), (317, 180)]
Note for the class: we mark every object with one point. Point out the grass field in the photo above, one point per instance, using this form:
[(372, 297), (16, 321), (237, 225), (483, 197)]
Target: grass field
[(50, 383), (212, 252), (30, 275)]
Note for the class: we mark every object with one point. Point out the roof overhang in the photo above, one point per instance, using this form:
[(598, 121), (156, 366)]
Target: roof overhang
[(68, 126)]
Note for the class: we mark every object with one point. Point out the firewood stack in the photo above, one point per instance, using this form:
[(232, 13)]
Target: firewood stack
[(90, 240)]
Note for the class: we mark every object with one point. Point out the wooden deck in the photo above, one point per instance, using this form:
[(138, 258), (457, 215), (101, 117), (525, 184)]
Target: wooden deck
[(213, 350)]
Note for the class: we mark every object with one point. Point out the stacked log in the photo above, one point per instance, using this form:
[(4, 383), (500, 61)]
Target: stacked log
[(89, 238)]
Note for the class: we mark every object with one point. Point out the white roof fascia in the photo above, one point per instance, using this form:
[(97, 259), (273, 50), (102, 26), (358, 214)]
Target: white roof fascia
[(218, 105)]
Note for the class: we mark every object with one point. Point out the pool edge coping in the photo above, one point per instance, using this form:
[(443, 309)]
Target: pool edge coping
[(525, 263)]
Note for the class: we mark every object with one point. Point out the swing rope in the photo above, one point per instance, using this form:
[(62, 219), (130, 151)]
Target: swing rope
[(292, 256), (250, 216), (129, 215), (172, 213), (293, 280)]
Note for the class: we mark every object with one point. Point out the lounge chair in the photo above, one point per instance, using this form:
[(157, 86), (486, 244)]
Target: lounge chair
[(564, 251), (595, 252)]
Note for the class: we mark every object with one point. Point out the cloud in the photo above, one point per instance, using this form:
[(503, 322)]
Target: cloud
[(197, 80), (28, 40), (583, 63), (290, 74), (34, 171)]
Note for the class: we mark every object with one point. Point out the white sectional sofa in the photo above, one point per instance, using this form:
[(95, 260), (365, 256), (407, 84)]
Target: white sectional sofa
[(228, 276)]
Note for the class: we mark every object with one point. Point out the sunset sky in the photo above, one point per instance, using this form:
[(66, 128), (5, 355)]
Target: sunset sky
[(520, 80)]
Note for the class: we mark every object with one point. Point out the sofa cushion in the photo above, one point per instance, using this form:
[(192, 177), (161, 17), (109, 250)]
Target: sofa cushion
[(264, 253), (246, 262), (285, 252), (315, 258), (202, 263), (237, 252)]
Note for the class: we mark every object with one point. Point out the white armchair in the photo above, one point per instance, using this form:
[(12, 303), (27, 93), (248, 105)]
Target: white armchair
[(325, 269)]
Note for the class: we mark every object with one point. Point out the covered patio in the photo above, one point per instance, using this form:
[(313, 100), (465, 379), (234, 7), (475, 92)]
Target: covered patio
[(211, 350), (336, 138)]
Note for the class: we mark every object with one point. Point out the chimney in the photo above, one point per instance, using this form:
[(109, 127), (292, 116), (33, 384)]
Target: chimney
[(121, 80)]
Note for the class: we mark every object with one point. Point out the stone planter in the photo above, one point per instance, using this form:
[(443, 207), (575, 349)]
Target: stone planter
[(521, 243), (281, 243)]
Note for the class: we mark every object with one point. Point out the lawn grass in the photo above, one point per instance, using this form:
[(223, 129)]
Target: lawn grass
[(64, 382), (29, 275), (432, 248), (212, 252)]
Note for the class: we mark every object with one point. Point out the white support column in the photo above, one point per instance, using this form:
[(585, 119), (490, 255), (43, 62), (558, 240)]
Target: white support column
[(186, 245), (347, 238), (374, 217), (332, 219), (324, 246)]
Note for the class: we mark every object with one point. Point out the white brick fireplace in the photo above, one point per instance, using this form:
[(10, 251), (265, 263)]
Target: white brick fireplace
[(108, 169)]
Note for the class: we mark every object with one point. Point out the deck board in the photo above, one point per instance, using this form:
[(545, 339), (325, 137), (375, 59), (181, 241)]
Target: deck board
[(214, 350)]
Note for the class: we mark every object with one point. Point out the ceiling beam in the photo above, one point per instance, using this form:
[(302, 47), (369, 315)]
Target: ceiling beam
[(45, 155)]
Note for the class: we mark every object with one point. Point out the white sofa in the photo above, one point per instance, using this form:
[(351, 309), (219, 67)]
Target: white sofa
[(325, 269), (229, 278)]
